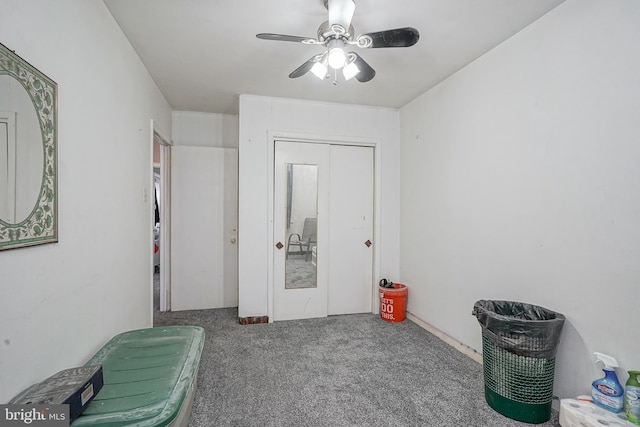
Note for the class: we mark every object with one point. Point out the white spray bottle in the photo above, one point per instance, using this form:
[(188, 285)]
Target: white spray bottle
[(607, 392)]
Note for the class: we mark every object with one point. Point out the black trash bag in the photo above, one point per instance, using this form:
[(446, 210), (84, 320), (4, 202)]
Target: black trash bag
[(523, 329)]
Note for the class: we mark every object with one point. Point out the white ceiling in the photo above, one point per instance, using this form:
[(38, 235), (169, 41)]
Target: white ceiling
[(203, 53)]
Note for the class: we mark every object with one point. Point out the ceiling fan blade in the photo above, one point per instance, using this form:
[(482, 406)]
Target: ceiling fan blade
[(366, 72), (282, 37), (341, 12), (304, 68), (399, 37)]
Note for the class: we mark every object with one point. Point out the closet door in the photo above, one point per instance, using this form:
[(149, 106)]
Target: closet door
[(332, 272), (351, 230), (300, 230)]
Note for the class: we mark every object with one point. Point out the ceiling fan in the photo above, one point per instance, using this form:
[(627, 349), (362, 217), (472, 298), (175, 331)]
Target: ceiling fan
[(336, 34)]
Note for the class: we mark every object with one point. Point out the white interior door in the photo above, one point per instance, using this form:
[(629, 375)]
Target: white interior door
[(204, 258), (342, 196), (351, 230), (301, 196)]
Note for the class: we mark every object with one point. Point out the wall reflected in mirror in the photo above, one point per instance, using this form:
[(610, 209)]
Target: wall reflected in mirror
[(21, 164), (302, 208)]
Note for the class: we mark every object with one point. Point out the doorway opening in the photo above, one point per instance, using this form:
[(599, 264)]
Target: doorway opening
[(161, 173)]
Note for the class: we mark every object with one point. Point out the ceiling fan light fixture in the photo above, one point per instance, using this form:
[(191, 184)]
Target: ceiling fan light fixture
[(336, 57), (350, 70), (320, 70)]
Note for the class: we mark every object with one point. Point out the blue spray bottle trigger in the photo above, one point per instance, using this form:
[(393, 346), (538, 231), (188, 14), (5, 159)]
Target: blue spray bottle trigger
[(609, 362)]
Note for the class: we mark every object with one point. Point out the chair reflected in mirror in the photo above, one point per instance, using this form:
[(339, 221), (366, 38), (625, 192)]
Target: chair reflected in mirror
[(303, 244)]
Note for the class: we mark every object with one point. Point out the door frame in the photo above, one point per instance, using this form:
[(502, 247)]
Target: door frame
[(165, 217), (272, 137)]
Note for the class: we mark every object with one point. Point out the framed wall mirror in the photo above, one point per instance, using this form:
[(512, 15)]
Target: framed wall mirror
[(28, 154)]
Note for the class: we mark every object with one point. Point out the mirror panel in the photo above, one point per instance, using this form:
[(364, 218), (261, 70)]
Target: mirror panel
[(28, 158), (20, 166), (302, 208)]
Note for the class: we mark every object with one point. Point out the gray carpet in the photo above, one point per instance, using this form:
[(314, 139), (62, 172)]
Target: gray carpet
[(353, 370)]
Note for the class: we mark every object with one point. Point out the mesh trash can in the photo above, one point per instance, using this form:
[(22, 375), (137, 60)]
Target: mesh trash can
[(519, 344)]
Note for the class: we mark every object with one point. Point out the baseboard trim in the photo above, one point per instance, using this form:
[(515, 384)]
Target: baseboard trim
[(462, 348), (253, 320)]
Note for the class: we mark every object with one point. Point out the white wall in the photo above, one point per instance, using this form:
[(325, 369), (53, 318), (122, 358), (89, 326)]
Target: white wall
[(205, 129), (61, 302), (261, 115), (210, 265), (519, 181)]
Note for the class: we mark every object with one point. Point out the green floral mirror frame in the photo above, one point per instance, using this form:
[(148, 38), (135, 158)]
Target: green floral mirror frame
[(28, 154)]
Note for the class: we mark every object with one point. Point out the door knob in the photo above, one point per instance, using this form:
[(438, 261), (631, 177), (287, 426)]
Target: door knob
[(368, 243), (279, 245)]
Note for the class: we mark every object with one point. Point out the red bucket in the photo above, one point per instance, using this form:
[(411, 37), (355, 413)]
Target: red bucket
[(393, 303)]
